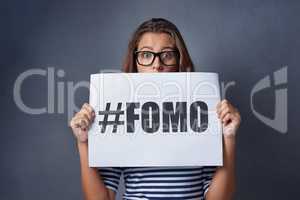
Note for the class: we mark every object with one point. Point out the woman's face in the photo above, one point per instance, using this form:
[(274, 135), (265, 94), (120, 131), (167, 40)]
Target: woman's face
[(163, 43)]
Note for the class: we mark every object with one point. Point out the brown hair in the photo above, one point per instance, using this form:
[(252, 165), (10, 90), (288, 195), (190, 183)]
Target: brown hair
[(158, 25)]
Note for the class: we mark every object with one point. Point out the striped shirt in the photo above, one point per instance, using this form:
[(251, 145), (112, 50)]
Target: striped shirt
[(160, 182)]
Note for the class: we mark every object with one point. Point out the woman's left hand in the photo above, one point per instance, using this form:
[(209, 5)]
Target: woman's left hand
[(230, 118)]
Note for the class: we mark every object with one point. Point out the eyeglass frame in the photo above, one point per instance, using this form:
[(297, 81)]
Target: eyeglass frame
[(157, 54)]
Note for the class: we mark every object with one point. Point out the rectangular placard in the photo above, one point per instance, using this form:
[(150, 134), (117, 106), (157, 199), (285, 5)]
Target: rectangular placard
[(155, 119)]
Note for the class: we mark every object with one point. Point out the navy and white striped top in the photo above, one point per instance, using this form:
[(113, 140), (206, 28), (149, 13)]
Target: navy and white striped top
[(160, 182)]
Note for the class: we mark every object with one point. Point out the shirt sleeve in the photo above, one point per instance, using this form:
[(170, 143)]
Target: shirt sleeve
[(111, 177), (208, 173)]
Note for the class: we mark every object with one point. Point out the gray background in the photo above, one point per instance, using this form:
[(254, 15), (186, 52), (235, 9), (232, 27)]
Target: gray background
[(244, 41)]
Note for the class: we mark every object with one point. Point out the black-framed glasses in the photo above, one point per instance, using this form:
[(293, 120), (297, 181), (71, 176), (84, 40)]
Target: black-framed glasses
[(167, 58)]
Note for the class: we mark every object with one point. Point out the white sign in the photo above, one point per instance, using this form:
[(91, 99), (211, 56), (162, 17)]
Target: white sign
[(155, 119)]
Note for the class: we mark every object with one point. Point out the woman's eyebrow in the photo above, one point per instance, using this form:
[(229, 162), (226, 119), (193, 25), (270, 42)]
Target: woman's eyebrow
[(146, 47), (164, 48), (171, 47)]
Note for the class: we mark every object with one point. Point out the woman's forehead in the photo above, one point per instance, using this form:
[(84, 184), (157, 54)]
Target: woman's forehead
[(156, 41)]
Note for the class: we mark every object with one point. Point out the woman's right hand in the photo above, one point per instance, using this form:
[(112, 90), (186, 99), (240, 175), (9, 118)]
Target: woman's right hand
[(82, 121)]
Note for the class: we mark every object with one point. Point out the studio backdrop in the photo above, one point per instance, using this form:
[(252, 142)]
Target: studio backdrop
[(49, 49)]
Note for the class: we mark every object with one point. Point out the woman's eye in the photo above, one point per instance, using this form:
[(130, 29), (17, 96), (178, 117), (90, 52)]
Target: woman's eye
[(167, 55), (146, 55)]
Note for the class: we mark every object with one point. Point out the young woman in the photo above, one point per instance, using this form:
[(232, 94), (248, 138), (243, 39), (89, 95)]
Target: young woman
[(157, 46)]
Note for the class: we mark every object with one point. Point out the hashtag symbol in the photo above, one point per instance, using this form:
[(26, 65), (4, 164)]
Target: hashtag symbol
[(108, 112)]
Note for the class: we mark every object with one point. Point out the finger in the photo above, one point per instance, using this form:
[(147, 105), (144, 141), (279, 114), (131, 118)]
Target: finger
[(72, 123), (80, 115), (87, 110), (223, 112), (228, 106), (225, 104), (86, 114), (88, 107), (81, 122), (224, 101), (90, 111), (84, 123), (219, 105), (227, 118), (91, 115)]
